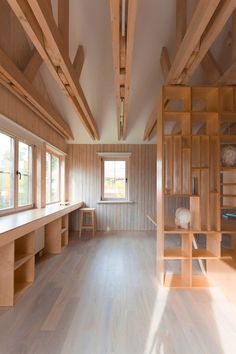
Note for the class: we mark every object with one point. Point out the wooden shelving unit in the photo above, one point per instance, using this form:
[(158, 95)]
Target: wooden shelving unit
[(56, 235), (189, 162)]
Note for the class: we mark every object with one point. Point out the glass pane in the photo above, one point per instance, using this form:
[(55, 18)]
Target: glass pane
[(55, 179), (114, 180), (6, 172), (48, 177), (24, 174)]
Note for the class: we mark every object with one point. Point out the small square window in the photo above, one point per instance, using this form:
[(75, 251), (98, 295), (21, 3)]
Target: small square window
[(114, 179)]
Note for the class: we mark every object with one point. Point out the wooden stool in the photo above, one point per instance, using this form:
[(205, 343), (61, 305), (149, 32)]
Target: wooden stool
[(84, 226)]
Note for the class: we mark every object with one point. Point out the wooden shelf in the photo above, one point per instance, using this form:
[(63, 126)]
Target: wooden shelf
[(175, 253), (20, 259), (202, 253), (200, 281), (20, 288), (228, 253), (175, 281), (64, 229)]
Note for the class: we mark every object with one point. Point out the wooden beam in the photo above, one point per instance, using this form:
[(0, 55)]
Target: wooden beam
[(37, 20), (33, 65), (215, 26), (63, 21), (181, 21), (190, 45), (233, 43), (207, 22), (132, 9), (165, 62), (115, 27), (79, 61), (14, 78), (211, 68)]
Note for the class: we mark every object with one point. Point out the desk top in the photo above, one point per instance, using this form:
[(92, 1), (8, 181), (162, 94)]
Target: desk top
[(27, 221)]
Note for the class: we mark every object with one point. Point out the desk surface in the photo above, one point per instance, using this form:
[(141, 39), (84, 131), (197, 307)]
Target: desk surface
[(38, 216)]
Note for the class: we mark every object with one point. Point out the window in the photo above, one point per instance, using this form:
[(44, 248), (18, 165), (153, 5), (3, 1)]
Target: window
[(6, 172), (15, 174), (24, 173), (52, 178), (114, 179)]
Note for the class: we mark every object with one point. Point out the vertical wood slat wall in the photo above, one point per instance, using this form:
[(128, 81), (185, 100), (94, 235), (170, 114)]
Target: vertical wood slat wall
[(84, 168)]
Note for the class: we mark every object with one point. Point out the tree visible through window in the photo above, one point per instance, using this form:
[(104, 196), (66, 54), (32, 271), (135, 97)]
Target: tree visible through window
[(15, 160), (24, 174), (114, 181)]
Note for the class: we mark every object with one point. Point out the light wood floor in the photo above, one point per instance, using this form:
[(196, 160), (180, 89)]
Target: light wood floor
[(100, 297)]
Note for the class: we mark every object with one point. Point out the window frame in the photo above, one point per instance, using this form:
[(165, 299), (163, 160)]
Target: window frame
[(115, 158), (51, 151), (16, 208)]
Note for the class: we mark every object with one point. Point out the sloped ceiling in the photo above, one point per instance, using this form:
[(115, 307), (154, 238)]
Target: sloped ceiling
[(90, 26)]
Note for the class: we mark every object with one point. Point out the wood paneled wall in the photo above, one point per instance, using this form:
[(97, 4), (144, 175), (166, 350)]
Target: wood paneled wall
[(11, 107), (85, 184)]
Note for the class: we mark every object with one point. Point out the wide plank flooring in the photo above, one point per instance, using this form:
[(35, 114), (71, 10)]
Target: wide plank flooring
[(100, 297)]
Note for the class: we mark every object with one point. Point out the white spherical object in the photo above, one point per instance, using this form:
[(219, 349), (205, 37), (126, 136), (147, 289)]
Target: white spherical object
[(228, 155), (182, 218)]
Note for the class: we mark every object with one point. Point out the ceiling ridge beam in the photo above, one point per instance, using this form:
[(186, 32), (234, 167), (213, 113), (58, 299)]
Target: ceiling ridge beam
[(132, 9), (19, 83), (38, 22), (123, 18), (115, 26)]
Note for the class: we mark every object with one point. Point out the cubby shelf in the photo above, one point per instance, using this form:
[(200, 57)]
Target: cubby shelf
[(20, 288), (201, 253), (190, 157), (175, 253), (20, 259)]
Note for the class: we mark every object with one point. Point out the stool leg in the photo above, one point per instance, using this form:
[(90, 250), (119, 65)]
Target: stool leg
[(81, 224)]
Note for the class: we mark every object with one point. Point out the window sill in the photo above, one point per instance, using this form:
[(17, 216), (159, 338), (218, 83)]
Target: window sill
[(115, 202)]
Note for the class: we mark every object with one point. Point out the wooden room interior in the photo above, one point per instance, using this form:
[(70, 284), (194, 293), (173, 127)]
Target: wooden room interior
[(117, 176)]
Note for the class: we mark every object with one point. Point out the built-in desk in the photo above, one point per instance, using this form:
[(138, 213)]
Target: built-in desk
[(17, 245)]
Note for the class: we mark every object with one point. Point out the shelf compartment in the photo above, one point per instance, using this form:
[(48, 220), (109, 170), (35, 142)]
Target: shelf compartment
[(20, 259), (208, 245), (205, 99), (202, 254), (178, 98), (200, 281), (23, 277), (175, 281), (24, 249), (177, 273), (175, 253)]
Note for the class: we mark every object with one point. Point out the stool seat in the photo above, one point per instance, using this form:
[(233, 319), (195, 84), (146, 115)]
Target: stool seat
[(83, 225)]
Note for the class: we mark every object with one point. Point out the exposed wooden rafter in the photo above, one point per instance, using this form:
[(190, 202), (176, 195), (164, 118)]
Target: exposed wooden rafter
[(123, 16), (165, 62), (17, 82), (207, 21), (181, 21), (38, 22), (63, 21)]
